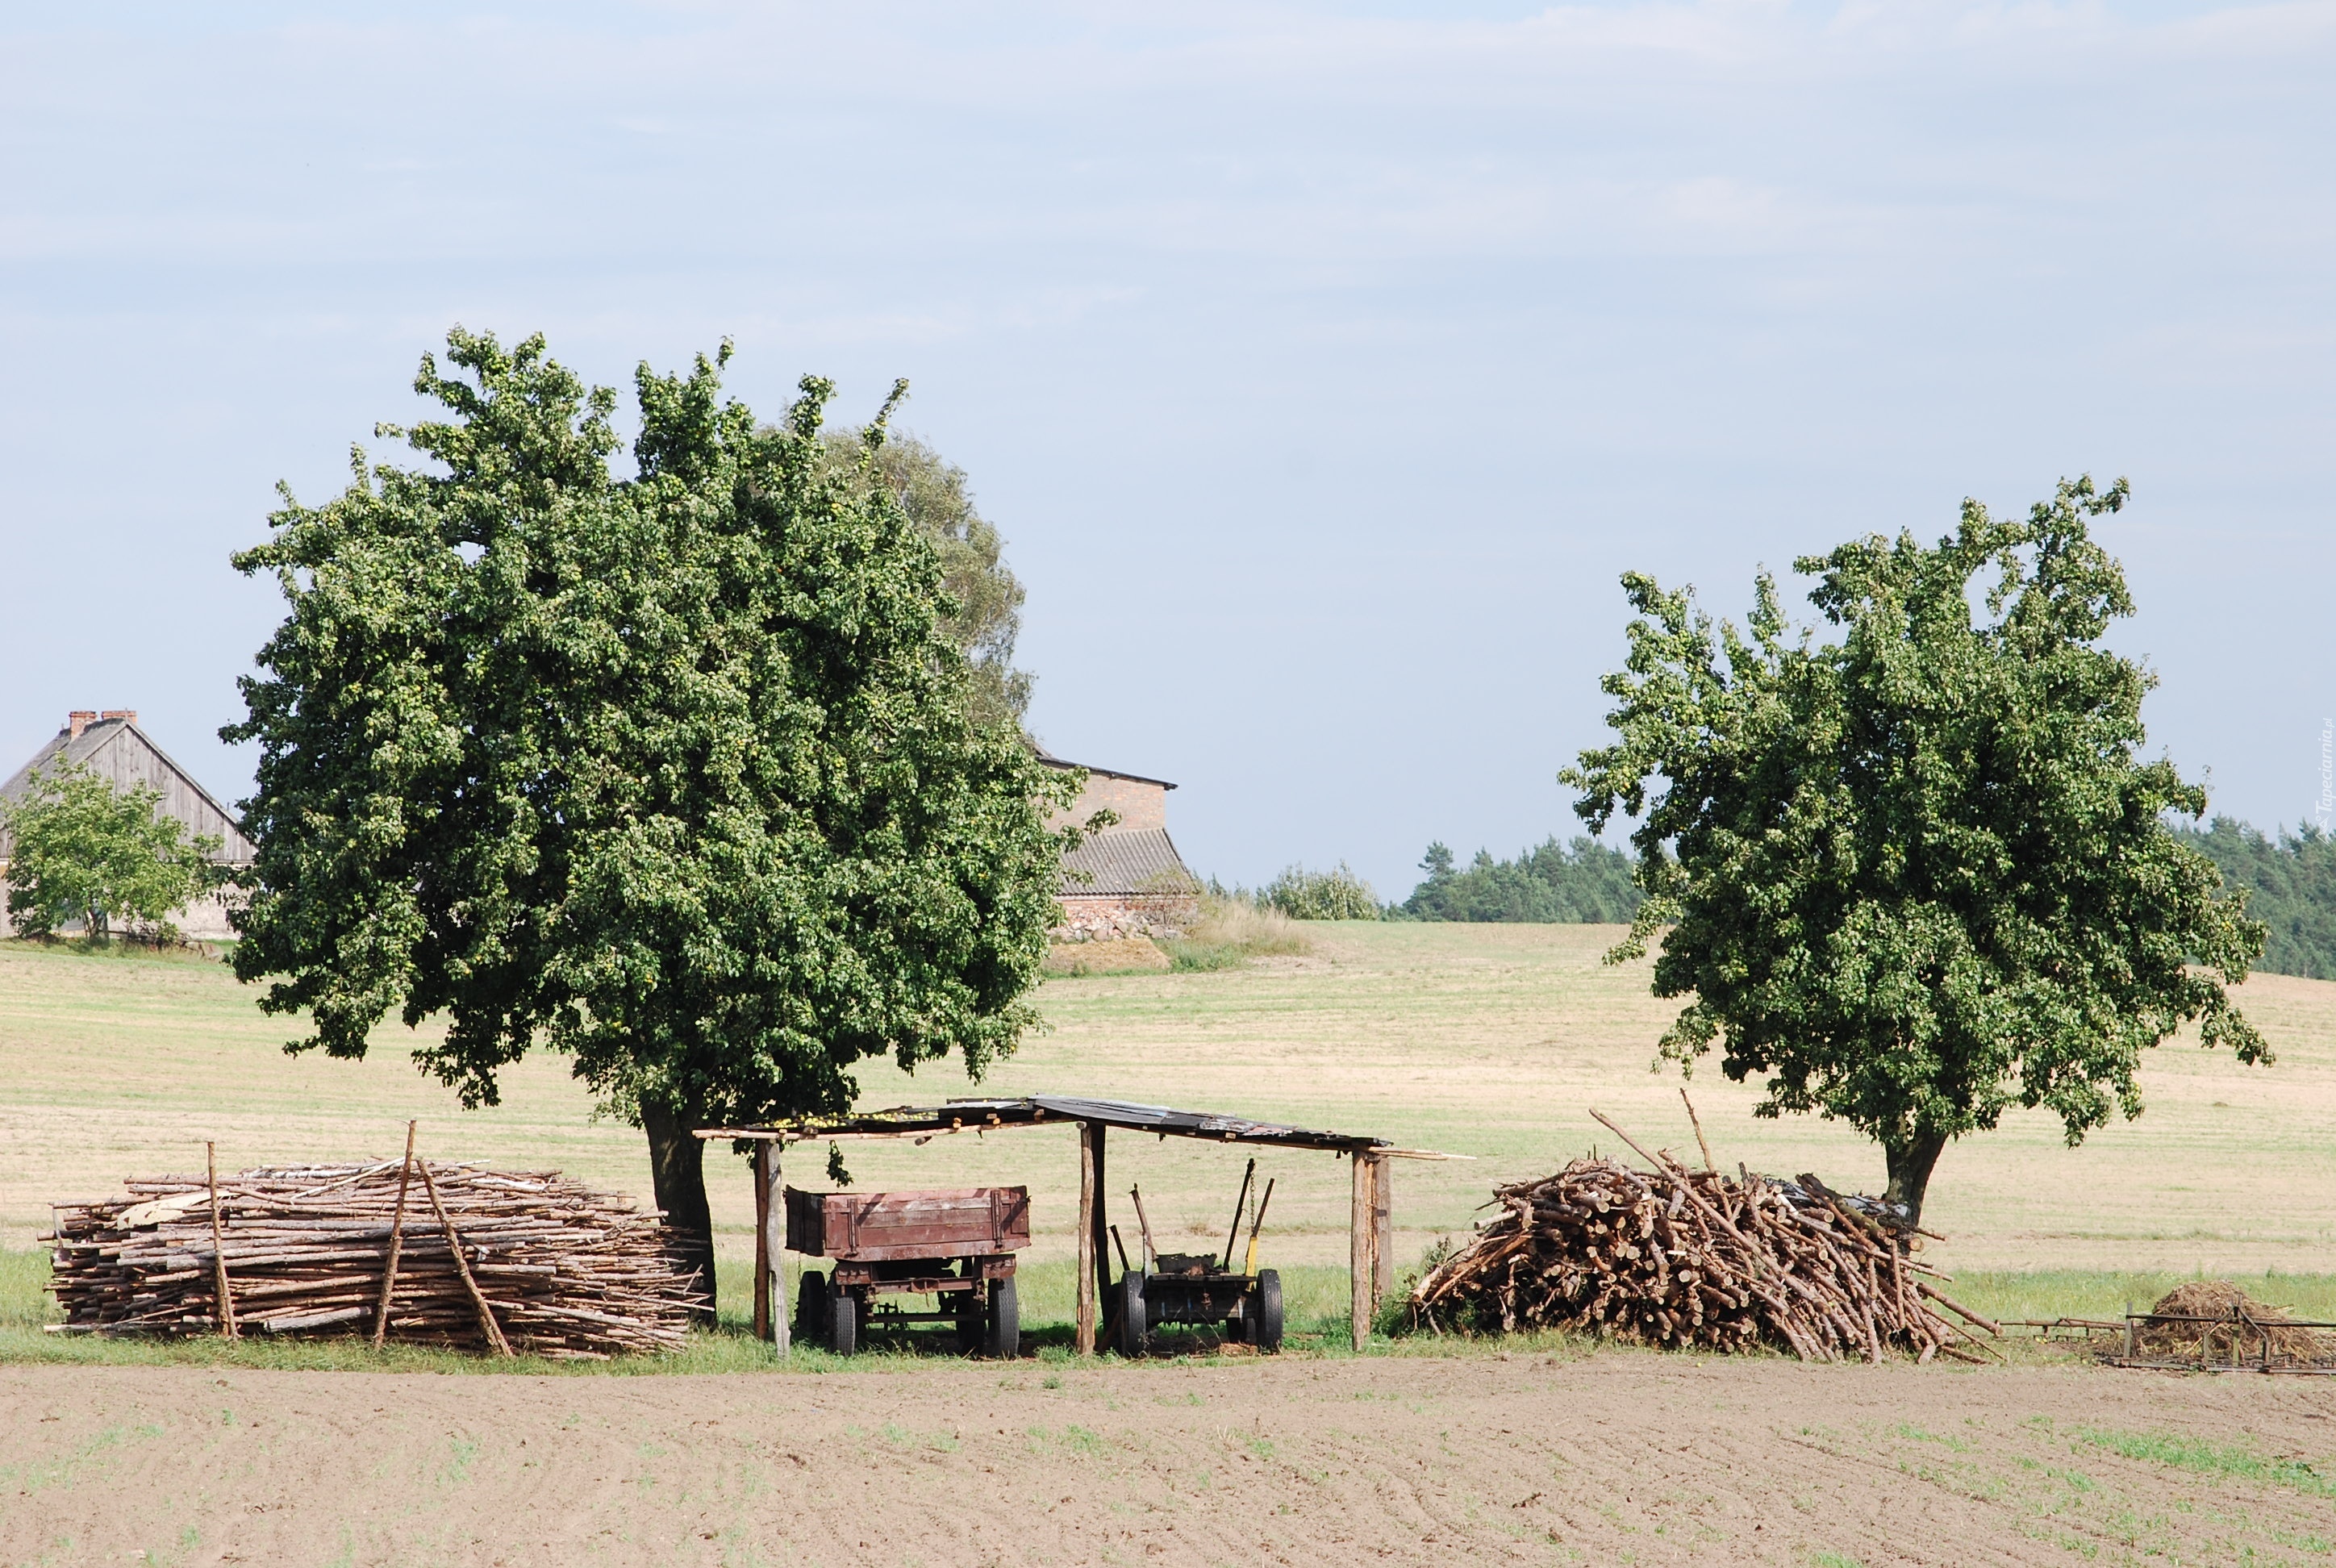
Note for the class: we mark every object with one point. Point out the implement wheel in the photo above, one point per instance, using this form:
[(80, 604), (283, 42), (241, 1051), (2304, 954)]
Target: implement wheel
[(1265, 1303), (811, 1308), (1005, 1338), (972, 1322), (1132, 1326), (843, 1320)]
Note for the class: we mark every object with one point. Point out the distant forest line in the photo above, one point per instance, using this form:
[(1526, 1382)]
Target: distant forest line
[(2290, 882)]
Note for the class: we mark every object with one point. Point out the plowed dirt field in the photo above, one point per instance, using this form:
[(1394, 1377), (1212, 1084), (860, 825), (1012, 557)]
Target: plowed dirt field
[(1614, 1458)]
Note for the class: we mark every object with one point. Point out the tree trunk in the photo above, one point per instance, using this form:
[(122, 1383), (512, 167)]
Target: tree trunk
[(1910, 1165), (677, 1167)]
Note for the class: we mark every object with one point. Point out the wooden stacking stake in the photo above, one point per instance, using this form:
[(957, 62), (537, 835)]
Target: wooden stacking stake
[(218, 1248), (396, 1241), (494, 1331), (1696, 1122)]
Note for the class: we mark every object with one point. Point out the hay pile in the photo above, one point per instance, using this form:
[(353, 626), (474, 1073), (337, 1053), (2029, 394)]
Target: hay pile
[(2215, 1319)]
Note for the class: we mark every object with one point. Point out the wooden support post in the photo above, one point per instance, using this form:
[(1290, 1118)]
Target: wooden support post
[(774, 1243), (1090, 1139), (396, 1241), (219, 1249), (494, 1331), (1360, 1236), (762, 1242), (1382, 1228)]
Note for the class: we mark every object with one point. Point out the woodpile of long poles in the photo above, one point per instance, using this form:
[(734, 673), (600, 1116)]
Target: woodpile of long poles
[(415, 1251), (1688, 1259)]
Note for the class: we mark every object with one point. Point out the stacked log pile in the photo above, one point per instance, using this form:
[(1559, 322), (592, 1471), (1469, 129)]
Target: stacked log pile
[(513, 1262), (1697, 1260)]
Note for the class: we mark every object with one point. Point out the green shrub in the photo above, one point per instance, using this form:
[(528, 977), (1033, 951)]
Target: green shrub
[(1232, 930), (1337, 894)]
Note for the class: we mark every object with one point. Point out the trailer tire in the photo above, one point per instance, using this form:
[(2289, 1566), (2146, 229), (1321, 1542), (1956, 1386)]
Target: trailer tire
[(1131, 1325), (843, 1321), (1265, 1328), (811, 1308), (1005, 1336)]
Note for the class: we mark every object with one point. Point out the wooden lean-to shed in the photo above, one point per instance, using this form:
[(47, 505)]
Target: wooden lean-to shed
[(1370, 1223)]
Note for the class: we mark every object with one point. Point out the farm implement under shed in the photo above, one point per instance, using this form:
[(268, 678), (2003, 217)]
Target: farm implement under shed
[(1183, 1294)]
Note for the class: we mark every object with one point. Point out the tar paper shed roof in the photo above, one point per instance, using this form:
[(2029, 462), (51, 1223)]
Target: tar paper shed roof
[(1056, 1110)]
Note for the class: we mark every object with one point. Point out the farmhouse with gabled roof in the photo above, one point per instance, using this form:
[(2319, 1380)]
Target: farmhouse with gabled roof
[(1128, 879), (111, 745)]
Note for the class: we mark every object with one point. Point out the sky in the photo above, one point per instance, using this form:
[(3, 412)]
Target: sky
[(1322, 366)]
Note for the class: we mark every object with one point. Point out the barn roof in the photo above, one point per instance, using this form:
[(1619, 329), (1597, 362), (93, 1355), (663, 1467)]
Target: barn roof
[(1051, 760), (73, 750), (1122, 862)]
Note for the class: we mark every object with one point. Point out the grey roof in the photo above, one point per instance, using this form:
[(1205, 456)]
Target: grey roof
[(121, 752), (1120, 863), (1051, 760)]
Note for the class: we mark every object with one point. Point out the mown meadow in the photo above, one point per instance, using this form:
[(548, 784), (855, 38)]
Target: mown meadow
[(1490, 1041)]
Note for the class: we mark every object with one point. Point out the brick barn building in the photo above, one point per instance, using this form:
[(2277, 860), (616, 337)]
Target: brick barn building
[(111, 745), (1127, 879)]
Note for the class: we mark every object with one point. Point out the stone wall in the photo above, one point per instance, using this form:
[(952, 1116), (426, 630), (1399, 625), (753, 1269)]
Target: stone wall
[(1110, 919)]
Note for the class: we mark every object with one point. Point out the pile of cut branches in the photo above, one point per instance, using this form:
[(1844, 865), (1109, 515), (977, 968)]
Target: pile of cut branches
[(2208, 1319), (1697, 1260), (415, 1251)]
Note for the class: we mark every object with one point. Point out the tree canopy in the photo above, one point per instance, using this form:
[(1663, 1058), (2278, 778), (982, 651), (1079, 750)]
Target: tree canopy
[(2290, 883), (1918, 875), (671, 772), (985, 616), (87, 852), (1586, 881)]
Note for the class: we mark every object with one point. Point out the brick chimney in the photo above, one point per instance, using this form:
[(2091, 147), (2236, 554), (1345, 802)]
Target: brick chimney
[(130, 714), (77, 721)]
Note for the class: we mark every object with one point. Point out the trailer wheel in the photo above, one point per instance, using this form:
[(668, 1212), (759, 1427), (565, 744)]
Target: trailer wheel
[(1265, 1328), (843, 1321), (1131, 1313), (811, 1308), (1005, 1336), (972, 1323)]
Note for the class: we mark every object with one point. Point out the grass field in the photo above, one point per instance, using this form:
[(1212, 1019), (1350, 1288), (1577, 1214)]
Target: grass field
[(1490, 1041)]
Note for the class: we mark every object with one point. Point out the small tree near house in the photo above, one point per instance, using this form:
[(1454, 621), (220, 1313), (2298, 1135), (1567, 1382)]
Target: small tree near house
[(87, 852), (674, 773), (1919, 875)]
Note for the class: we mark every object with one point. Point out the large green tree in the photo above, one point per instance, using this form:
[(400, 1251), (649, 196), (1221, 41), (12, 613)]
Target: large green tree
[(672, 773), (1916, 872), (87, 852)]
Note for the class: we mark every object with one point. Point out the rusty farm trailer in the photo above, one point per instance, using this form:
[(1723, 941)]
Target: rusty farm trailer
[(956, 1244)]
